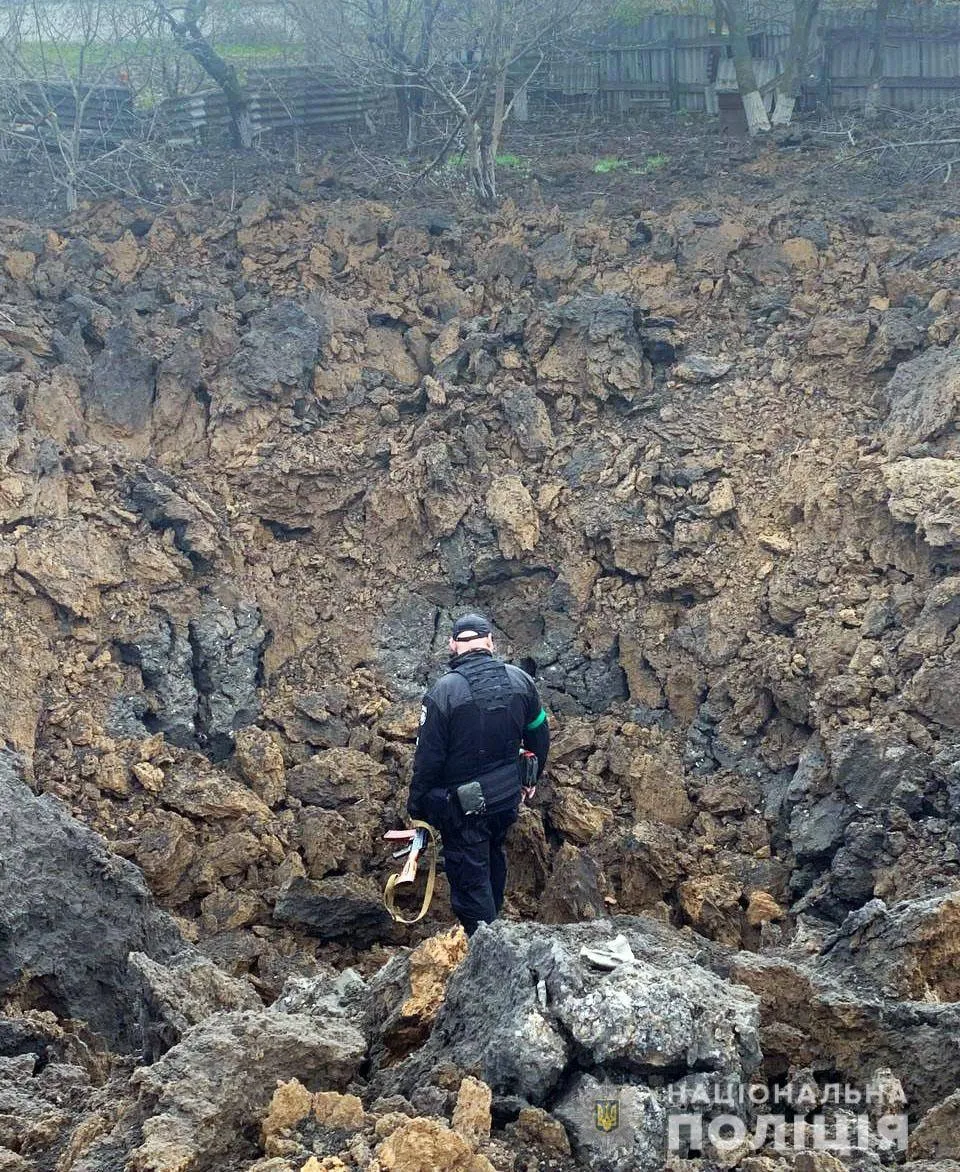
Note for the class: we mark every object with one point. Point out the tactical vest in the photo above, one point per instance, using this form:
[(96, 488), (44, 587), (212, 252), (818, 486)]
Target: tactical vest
[(492, 691)]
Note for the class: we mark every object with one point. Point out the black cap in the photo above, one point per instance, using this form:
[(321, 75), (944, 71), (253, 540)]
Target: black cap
[(471, 624)]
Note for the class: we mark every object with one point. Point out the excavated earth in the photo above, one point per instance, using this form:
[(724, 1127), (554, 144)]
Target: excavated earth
[(695, 450)]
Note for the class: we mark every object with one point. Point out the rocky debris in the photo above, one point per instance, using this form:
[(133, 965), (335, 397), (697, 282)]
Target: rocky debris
[(523, 1009), (816, 1015), (70, 914), (924, 399), (69, 564), (181, 994), (737, 593), (338, 906), (277, 356), (201, 1095)]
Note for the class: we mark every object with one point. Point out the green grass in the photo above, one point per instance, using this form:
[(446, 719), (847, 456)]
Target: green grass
[(650, 165), (102, 63), (252, 54), (605, 166), (513, 162)]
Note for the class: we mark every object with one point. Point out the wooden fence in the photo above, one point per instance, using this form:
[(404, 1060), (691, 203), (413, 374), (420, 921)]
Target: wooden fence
[(682, 63)]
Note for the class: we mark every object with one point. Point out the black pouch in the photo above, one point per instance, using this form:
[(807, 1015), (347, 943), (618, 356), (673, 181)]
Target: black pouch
[(471, 799), (501, 786)]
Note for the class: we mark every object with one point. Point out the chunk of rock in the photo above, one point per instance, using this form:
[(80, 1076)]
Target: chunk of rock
[(202, 1095), (260, 761), (471, 1114), (924, 398), (335, 907), (937, 1135), (71, 913), (700, 368), (407, 992), (511, 509), (925, 493), (335, 777), (426, 1145), (183, 993)]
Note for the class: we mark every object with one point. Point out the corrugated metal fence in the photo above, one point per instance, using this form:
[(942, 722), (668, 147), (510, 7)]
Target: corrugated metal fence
[(103, 111), (670, 61), (282, 98)]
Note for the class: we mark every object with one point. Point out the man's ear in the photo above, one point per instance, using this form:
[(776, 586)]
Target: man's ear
[(452, 645), (488, 643)]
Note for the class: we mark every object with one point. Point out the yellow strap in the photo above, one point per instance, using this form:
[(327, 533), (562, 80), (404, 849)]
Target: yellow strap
[(389, 899)]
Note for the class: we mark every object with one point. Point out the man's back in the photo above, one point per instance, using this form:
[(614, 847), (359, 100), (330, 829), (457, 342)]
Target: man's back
[(474, 718)]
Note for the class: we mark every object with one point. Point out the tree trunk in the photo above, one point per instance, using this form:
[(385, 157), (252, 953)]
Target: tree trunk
[(521, 105), (750, 95), (804, 15), (225, 75), (871, 105), (481, 165), (189, 37)]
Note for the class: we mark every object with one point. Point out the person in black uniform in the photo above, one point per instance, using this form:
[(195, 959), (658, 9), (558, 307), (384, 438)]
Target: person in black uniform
[(472, 724)]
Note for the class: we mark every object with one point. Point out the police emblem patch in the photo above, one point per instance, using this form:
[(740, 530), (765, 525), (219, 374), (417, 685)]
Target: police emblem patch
[(606, 1114)]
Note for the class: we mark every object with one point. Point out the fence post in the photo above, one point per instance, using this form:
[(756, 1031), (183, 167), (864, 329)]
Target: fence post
[(672, 78)]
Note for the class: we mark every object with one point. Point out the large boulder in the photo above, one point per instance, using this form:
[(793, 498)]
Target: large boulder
[(70, 915), (525, 1009)]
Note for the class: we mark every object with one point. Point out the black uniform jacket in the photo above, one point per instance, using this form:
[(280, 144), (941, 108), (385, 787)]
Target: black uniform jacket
[(462, 736)]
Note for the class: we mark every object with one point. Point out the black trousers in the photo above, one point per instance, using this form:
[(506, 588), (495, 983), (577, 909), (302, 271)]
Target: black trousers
[(475, 861)]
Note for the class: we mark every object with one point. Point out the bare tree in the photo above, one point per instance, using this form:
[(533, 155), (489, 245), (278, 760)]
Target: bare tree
[(805, 14), (185, 21), (370, 43), (461, 65), (68, 91)]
